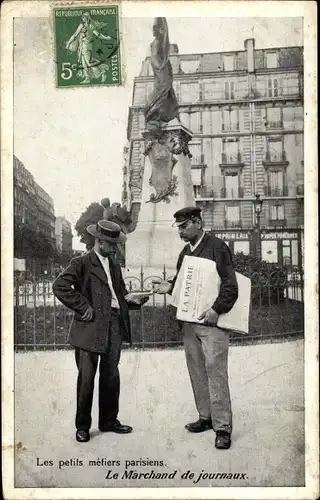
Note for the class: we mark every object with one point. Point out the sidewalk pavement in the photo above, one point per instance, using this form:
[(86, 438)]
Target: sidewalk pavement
[(266, 384)]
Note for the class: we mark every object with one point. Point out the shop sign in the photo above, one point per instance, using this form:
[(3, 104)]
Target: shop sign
[(283, 235), (233, 236)]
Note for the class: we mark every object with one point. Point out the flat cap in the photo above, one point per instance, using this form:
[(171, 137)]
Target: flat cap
[(185, 214)]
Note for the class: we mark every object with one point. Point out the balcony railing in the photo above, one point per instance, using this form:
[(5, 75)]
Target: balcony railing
[(197, 160), (277, 222), (231, 193), (275, 125), (279, 191), (232, 223), (228, 159), (276, 157), (230, 127), (203, 192), (283, 91)]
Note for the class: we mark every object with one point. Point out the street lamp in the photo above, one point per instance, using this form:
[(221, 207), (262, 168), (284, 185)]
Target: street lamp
[(257, 204)]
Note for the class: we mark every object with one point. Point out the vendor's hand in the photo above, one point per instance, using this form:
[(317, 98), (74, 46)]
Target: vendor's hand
[(88, 315), (210, 317), (161, 286)]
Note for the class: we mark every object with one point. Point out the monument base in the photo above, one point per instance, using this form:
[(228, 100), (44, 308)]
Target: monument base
[(155, 242)]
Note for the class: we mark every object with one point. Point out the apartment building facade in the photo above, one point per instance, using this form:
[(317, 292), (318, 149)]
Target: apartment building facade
[(245, 111), (63, 234), (32, 204)]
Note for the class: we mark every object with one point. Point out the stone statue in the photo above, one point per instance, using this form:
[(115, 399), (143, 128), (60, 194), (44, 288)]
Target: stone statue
[(162, 106), (118, 214)]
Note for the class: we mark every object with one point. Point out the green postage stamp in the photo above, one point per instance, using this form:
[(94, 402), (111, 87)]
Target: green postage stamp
[(87, 44)]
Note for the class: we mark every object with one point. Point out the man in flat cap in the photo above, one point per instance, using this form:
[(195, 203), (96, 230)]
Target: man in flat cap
[(206, 345), (93, 287)]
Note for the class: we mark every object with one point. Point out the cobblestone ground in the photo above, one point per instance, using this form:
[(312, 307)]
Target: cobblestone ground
[(156, 399)]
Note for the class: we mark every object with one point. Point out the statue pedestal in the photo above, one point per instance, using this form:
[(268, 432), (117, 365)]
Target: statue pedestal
[(155, 242)]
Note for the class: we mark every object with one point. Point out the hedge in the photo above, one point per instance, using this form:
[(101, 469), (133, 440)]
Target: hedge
[(268, 280), (154, 325)]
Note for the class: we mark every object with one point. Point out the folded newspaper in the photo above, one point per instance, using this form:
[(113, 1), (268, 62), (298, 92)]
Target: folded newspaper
[(197, 287)]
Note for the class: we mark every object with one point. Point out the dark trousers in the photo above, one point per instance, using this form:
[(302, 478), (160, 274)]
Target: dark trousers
[(109, 379)]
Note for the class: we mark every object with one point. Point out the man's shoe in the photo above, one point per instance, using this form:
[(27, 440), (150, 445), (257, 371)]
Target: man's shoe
[(223, 440), (200, 425), (116, 427), (82, 436)]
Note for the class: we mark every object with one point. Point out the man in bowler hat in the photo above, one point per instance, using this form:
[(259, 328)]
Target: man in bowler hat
[(93, 287), (206, 345)]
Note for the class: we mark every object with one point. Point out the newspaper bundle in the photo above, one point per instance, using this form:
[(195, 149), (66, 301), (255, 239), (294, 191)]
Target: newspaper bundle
[(196, 288)]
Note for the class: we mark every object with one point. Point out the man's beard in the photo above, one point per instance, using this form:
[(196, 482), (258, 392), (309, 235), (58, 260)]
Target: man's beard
[(110, 253), (184, 238)]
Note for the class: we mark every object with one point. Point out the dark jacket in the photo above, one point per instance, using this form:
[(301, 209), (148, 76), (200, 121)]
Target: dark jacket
[(85, 283), (213, 248)]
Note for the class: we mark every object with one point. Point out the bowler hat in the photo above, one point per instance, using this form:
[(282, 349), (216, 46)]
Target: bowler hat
[(185, 214), (107, 230)]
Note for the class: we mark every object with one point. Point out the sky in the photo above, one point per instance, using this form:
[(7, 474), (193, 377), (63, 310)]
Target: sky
[(72, 140)]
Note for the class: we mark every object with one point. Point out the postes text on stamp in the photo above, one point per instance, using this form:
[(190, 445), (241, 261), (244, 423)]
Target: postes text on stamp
[(87, 45)]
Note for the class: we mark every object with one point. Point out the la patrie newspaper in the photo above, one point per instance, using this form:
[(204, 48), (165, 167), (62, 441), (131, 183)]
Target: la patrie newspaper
[(196, 288)]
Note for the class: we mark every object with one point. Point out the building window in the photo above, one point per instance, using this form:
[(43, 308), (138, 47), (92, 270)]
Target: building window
[(293, 118), (228, 63), (276, 185), (233, 216), (231, 186), (195, 150), (197, 191), (272, 60), (229, 90), (274, 118), (289, 253), (195, 125), (189, 92), (230, 120), (286, 253), (191, 66), (273, 87), (276, 212), (230, 152), (275, 151), (294, 256), (290, 85), (298, 140), (269, 250), (300, 183), (196, 174), (191, 121), (241, 247), (211, 91)]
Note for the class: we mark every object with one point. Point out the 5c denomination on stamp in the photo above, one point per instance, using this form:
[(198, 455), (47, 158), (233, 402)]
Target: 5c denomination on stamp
[(87, 45)]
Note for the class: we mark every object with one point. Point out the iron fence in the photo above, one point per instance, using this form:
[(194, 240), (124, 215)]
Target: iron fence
[(42, 322)]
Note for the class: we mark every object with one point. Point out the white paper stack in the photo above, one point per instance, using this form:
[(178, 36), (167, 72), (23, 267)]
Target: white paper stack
[(197, 287)]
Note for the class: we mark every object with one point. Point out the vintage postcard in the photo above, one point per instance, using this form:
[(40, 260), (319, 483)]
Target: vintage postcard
[(134, 135)]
